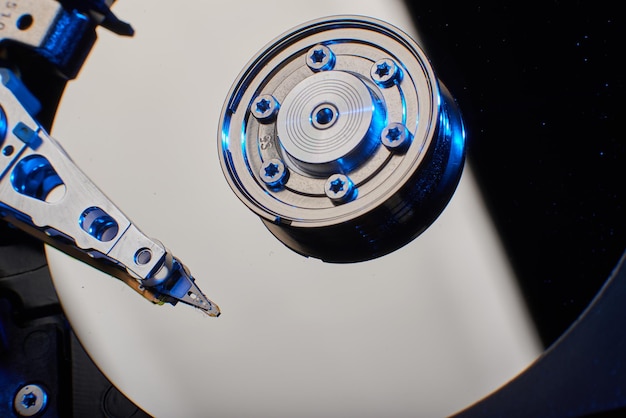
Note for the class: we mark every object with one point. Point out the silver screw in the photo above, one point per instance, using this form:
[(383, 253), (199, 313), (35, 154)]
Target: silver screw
[(320, 58), (395, 136), (340, 189), (30, 400), (264, 108), (274, 173), (385, 72)]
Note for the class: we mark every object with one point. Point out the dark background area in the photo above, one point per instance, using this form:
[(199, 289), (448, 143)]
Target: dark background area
[(541, 89)]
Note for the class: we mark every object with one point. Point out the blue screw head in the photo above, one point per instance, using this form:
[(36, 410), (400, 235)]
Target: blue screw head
[(386, 73), (396, 137), (320, 58), (273, 173), (30, 400), (264, 108), (340, 189)]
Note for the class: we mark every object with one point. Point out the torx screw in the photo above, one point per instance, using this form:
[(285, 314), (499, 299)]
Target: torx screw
[(264, 108), (30, 400), (274, 173), (396, 136), (385, 72), (320, 58), (340, 189)]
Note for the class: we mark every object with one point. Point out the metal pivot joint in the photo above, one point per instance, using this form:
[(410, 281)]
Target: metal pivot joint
[(373, 144), (42, 191), (45, 194), (60, 31)]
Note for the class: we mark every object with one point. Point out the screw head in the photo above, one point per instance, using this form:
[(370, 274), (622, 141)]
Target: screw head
[(274, 173), (30, 400), (264, 108), (385, 72), (320, 58), (396, 136), (340, 189)]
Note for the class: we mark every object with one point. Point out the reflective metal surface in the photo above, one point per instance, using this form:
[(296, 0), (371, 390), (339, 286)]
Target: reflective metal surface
[(340, 137), (44, 193), (425, 330)]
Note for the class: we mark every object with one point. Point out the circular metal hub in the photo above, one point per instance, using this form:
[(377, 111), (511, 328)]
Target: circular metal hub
[(340, 137), (328, 121)]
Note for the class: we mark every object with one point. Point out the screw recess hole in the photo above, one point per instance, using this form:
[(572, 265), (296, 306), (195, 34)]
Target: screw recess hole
[(143, 256), (324, 116), (98, 224), (24, 22)]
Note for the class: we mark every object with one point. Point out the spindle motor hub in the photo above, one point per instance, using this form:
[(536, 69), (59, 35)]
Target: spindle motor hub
[(341, 138)]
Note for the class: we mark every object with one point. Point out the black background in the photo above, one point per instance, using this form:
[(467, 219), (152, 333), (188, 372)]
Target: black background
[(541, 89)]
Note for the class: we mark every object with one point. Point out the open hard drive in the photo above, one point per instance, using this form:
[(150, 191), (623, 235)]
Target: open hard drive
[(306, 162)]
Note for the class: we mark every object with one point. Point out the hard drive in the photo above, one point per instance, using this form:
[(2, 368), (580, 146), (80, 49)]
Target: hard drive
[(425, 328)]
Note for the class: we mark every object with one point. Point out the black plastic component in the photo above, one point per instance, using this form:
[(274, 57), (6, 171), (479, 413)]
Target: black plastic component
[(581, 375), (37, 345)]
